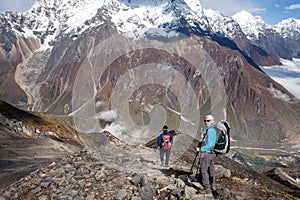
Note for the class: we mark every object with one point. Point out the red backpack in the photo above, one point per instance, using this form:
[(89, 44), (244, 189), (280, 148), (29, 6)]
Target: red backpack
[(166, 141)]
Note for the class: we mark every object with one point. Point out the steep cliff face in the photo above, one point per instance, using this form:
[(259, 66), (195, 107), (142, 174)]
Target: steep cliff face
[(14, 50), (60, 72), (224, 26), (279, 46)]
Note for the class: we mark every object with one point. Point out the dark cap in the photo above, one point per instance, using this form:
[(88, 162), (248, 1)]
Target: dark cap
[(165, 127)]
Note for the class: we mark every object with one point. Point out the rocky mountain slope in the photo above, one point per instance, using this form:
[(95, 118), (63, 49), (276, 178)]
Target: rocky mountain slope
[(100, 166), (29, 142), (120, 171), (56, 59), (20, 156), (30, 125)]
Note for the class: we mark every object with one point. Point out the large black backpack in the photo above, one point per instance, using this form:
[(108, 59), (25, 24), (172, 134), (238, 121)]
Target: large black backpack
[(222, 145)]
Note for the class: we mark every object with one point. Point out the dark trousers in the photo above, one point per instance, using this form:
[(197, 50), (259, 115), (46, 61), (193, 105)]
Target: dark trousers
[(162, 153), (207, 169)]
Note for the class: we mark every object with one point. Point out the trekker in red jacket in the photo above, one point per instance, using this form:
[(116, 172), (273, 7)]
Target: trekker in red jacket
[(165, 141)]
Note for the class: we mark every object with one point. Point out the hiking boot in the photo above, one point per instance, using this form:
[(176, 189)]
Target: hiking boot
[(205, 191), (213, 188)]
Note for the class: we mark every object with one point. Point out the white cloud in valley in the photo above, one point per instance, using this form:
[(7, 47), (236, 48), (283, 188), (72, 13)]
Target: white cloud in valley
[(288, 75)]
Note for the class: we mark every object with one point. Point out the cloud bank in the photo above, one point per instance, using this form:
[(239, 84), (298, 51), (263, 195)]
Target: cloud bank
[(288, 75)]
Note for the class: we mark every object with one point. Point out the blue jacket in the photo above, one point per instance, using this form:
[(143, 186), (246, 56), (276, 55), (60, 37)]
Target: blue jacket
[(159, 139), (210, 139)]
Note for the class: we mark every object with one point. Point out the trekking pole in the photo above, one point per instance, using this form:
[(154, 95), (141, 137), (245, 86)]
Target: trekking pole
[(199, 162), (191, 171)]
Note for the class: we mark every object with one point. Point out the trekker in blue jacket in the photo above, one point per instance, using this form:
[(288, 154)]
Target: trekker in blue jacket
[(207, 168), (165, 141)]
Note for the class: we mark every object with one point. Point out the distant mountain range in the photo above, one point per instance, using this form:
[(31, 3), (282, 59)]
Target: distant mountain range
[(281, 40), (57, 47)]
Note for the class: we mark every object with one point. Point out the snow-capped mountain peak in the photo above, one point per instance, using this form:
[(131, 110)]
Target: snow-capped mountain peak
[(247, 17), (289, 27), (251, 25), (222, 24), (133, 17), (136, 16), (290, 22), (256, 28), (194, 5)]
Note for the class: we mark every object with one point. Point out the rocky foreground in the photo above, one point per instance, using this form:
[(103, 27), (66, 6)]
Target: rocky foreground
[(120, 171)]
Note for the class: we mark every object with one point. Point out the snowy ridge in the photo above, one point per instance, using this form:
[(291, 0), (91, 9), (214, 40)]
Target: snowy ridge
[(50, 18), (54, 17), (12, 22), (222, 24), (252, 26), (136, 16), (289, 27)]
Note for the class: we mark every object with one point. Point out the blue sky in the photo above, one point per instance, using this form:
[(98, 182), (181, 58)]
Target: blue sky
[(272, 11)]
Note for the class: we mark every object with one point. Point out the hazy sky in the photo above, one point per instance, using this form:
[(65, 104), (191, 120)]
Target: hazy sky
[(272, 11), (15, 5)]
